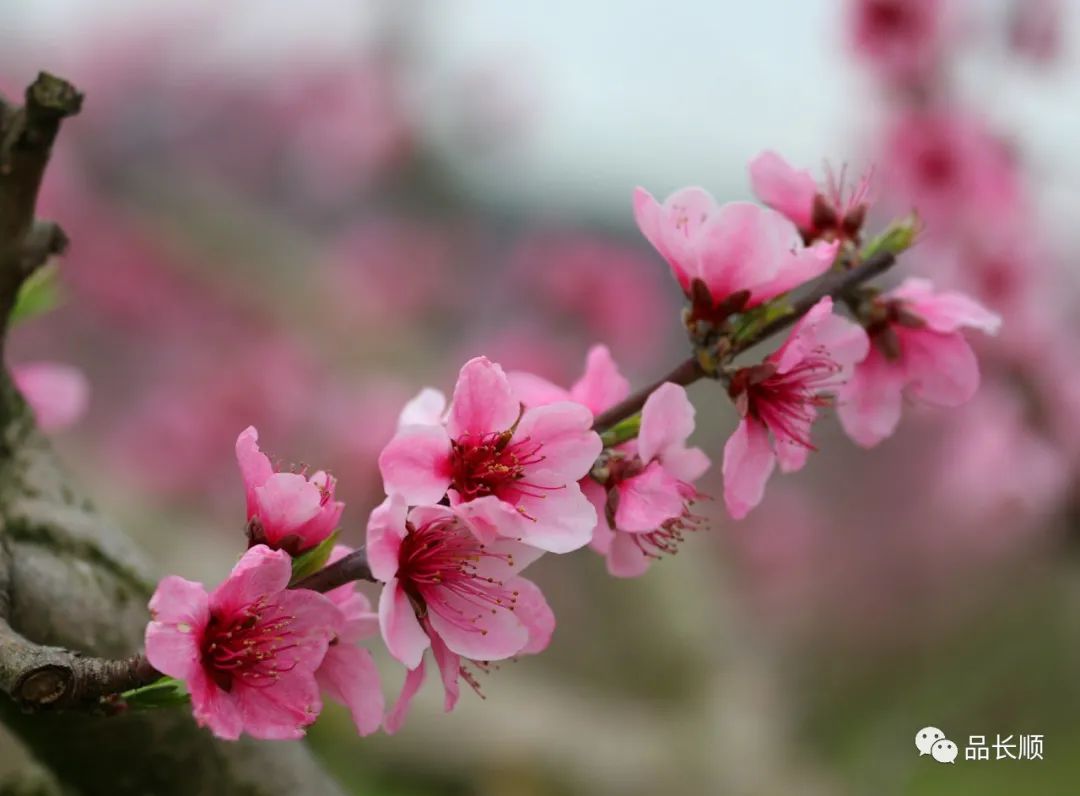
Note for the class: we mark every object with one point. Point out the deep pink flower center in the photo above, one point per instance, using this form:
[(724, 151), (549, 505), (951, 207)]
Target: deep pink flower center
[(440, 567), (248, 645), (490, 464), (786, 402), (890, 17)]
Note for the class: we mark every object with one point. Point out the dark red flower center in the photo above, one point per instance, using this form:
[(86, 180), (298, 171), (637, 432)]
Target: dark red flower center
[(441, 567), (248, 645), (786, 402), (492, 464)]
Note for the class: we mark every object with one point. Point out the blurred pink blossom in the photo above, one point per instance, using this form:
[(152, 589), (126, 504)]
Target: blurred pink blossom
[(902, 40), (58, 394)]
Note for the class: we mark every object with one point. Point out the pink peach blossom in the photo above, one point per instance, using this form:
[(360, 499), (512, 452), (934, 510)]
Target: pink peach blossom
[(248, 651), (642, 490), (288, 511), (781, 397), (832, 212), (729, 248), (57, 393), (509, 471), (918, 351), (952, 169), (902, 39), (448, 591), (348, 672)]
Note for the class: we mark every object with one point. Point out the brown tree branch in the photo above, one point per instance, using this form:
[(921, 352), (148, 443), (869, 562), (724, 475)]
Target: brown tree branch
[(834, 284), (73, 588)]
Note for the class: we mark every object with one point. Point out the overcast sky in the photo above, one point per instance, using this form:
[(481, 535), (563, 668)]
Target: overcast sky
[(640, 91)]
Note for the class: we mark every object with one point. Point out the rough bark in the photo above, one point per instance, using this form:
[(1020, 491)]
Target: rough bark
[(71, 583)]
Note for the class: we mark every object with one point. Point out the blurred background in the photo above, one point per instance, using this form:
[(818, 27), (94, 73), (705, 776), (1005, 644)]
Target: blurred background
[(297, 215)]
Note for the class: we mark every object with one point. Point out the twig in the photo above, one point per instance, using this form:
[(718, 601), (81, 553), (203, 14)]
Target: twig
[(688, 372)]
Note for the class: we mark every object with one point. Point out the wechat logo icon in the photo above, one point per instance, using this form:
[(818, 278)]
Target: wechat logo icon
[(932, 741)]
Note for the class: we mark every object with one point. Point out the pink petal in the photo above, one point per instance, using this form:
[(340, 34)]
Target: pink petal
[(602, 385), (743, 246), (602, 533), (385, 530), (569, 446), (799, 265), (869, 404), (673, 229), (213, 708), (667, 419), (426, 409), (791, 455), (449, 669), (255, 467), (941, 368), (58, 394), (416, 464), (748, 463), (313, 622), (280, 711), (401, 631), (785, 189), (414, 678), (348, 675), (820, 331), (647, 500), (476, 632), (285, 502), (947, 311), (259, 572), (181, 610), (488, 517), (483, 402), (533, 390), (535, 613), (625, 560), (560, 520), (686, 464)]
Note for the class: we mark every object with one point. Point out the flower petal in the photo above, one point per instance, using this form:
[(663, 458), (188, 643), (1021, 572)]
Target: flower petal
[(426, 409), (483, 401), (783, 188), (748, 463), (560, 520), (568, 445), (181, 610), (385, 530), (414, 678), (869, 404), (416, 464), (259, 572), (941, 368), (401, 630), (647, 500), (535, 613), (602, 385), (667, 419), (348, 675)]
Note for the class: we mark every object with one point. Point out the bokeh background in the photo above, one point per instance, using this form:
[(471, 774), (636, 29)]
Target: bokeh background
[(296, 215)]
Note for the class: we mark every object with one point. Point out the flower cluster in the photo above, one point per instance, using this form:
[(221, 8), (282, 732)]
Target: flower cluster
[(512, 467)]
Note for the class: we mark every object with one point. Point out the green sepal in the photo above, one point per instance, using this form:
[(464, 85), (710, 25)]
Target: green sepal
[(311, 561), (40, 293), (161, 693), (622, 431), (751, 322), (897, 237)]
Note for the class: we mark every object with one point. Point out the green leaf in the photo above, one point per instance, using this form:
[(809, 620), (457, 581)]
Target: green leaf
[(622, 431), (313, 560), (38, 294), (160, 694)]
